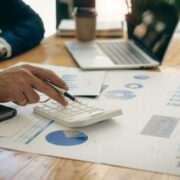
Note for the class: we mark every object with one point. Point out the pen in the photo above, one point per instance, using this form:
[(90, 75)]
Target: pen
[(62, 91)]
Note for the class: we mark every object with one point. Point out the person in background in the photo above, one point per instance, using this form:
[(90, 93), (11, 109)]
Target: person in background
[(20, 30)]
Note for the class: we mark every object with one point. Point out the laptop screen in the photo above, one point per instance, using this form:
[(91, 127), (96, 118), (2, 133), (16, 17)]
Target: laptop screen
[(152, 23)]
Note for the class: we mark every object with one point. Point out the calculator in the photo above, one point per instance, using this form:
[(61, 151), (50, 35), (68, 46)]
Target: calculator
[(76, 114)]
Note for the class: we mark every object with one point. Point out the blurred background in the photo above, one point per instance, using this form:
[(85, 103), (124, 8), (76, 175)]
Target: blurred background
[(47, 11), (53, 10), (108, 10)]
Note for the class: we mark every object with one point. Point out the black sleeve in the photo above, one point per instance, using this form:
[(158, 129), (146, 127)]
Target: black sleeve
[(21, 27)]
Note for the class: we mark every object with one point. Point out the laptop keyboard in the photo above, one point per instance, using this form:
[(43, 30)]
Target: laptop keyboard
[(122, 53)]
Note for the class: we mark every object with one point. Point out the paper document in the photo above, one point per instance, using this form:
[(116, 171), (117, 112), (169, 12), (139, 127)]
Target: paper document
[(146, 136), (81, 83)]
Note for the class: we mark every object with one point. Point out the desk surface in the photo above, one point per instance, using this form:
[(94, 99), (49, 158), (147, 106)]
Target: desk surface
[(21, 165)]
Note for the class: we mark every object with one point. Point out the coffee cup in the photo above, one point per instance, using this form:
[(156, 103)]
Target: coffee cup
[(85, 20)]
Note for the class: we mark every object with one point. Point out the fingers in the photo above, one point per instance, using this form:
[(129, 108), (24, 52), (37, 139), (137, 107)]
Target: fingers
[(31, 95), (45, 74), (21, 100), (49, 91), (22, 82)]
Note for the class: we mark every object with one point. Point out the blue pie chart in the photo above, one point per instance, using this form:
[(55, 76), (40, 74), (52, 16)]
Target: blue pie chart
[(141, 77), (66, 138), (120, 94), (134, 86)]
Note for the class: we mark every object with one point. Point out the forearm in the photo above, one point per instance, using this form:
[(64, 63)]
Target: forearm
[(23, 36)]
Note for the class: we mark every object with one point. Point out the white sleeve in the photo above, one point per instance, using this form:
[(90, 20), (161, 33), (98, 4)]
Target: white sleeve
[(4, 43)]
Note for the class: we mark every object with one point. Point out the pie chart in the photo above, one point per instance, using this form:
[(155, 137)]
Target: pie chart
[(134, 86), (66, 138), (141, 77), (120, 94)]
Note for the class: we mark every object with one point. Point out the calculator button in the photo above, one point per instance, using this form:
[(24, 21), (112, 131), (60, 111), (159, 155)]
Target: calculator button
[(75, 105), (52, 111), (97, 112), (81, 116), (53, 106), (40, 106), (75, 114), (46, 108), (82, 107), (74, 109)]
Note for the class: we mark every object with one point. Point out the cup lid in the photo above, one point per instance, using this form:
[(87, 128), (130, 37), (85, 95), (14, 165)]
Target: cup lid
[(84, 12)]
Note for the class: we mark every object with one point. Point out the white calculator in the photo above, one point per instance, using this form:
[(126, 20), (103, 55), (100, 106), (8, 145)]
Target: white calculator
[(75, 114)]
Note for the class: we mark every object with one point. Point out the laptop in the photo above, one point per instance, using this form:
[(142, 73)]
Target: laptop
[(150, 29)]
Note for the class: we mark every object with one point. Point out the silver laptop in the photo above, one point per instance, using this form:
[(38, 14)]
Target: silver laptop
[(149, 32)]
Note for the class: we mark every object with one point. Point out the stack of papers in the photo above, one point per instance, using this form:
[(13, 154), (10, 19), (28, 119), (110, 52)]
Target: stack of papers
[(104, 29)]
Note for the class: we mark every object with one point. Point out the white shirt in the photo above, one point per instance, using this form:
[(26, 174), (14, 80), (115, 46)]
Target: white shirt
[(5, 44)]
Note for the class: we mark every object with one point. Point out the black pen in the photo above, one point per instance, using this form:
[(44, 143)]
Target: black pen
[(62, 91)]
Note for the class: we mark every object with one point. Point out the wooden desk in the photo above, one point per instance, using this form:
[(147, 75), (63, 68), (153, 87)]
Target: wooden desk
[(21, 165)]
